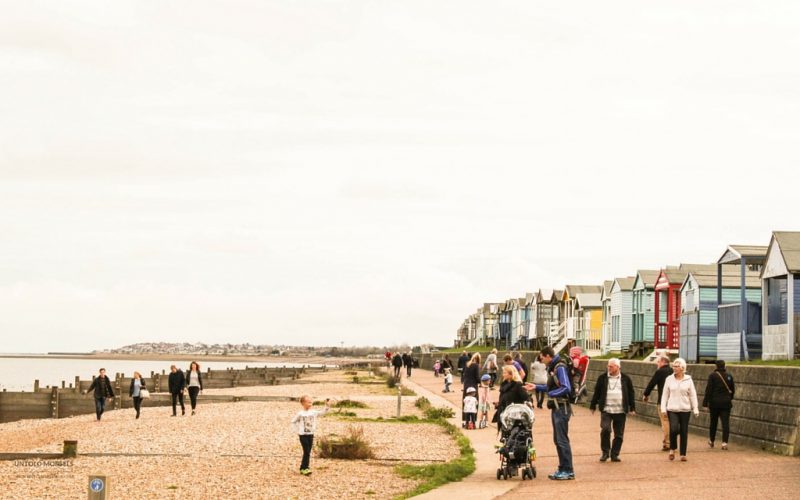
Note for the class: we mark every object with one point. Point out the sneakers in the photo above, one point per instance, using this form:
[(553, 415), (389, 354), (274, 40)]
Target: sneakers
[(561, 476), (725, 446), (305, 472), (711, 443)]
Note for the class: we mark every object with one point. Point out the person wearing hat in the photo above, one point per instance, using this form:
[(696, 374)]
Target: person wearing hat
[(470, 407), (483, 400)]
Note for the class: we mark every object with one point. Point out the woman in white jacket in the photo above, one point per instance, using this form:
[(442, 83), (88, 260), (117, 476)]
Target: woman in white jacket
[(678, 402)]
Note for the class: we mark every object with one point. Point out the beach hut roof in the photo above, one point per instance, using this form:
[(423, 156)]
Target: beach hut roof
[(574, 290), (789, 245), (754, 254), (626, 284), (588, 300), (648, 276)]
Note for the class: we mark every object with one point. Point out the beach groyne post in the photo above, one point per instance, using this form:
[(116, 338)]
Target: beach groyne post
[(399, 398), (70, 449), (54, 402)]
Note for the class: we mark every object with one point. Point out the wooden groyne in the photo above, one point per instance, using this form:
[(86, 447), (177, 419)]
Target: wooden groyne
[(68, 399)]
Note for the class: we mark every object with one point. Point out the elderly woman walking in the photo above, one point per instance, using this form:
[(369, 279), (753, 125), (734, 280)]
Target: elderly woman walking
[(679, 402)]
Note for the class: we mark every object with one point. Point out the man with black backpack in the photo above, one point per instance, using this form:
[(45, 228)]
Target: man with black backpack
[(560, 393)]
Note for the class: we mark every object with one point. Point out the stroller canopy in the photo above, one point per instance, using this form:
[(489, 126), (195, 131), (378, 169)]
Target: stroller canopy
[(517, 413)]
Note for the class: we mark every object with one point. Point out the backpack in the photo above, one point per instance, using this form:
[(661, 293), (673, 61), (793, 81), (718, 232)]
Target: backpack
[(571, 371)]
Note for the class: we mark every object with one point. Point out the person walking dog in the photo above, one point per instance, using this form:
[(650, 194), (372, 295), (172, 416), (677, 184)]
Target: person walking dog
[(613, 393)]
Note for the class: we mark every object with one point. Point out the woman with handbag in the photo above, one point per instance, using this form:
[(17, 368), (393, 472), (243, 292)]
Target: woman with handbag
[(138, 391), (719, 401)]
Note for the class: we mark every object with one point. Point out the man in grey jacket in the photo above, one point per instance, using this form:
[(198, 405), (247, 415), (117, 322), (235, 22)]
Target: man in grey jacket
[(614, 394)]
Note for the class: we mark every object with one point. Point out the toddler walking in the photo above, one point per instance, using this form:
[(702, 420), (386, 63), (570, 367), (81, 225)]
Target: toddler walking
[(448, 380), (470, 408), (483, 401), (305, 423)]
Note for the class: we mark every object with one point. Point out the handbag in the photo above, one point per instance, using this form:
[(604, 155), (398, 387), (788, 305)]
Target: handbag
[(144, 393), (725, 383)]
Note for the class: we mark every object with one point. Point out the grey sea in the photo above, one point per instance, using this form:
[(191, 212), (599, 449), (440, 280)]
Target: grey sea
[(18, 373)]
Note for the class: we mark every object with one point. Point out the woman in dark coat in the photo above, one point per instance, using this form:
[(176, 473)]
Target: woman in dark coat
[(512, 391), (472, 378), (719, 401)]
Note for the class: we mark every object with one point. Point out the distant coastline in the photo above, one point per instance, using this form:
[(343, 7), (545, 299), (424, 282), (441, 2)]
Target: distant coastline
[(186, 357)]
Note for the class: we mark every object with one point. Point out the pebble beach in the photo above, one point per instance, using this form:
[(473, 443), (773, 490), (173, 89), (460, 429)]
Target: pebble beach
[(243, 449)]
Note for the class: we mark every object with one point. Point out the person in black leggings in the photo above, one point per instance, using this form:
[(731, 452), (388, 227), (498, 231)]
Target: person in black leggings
[(719, 401), (194, 381)]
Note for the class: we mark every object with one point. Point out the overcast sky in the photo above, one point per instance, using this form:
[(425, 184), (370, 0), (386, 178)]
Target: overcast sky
[(372, 172)]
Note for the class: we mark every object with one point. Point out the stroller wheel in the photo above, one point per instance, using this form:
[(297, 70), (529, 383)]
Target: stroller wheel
[(499, 473), (533, 472)]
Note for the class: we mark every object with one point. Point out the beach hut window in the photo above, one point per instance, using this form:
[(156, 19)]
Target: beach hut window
[(614, 329), (777, 301)]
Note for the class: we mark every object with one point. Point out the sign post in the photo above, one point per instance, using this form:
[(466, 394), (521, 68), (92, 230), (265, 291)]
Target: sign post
[(98, 487)]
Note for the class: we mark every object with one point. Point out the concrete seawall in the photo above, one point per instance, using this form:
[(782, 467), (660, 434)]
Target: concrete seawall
[(766, 409), (66, 401)]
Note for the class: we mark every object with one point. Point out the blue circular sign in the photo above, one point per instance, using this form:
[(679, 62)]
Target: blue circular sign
[(96, 485)]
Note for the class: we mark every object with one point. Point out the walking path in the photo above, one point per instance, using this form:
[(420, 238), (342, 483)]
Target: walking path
[(645, 471)]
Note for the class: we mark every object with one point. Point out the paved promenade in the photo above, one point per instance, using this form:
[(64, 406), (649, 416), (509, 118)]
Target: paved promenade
[(645, 471)]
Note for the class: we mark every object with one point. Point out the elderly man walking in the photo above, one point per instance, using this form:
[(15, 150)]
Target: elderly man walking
[(614, 394), (661, 374)]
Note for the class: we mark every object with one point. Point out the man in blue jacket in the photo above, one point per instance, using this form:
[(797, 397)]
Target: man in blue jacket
[(558, 389)]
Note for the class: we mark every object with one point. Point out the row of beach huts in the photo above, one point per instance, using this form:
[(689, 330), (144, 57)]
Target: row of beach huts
[(744, 306)]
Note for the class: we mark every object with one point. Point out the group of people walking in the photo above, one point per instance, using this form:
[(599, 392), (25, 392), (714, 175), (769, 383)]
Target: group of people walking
[(677, 402), (399, 360), (613, 395), (179, 383)]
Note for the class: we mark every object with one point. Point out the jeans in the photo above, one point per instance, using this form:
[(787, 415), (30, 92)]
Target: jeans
[(560, 419), (678, 424), (99, 406), (397, 371), (176, 397), (607, 421), (725, 415), (193, 392), (408, 371), (307, 442), (137, 405)]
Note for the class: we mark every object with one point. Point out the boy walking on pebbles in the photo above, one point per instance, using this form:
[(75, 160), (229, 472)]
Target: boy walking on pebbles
[(305, 423)]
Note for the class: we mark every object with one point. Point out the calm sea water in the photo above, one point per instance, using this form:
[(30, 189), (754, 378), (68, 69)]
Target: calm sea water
[(18, 374)]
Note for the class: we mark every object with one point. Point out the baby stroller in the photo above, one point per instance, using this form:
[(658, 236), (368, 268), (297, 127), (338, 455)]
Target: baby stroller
[(516, 449)]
